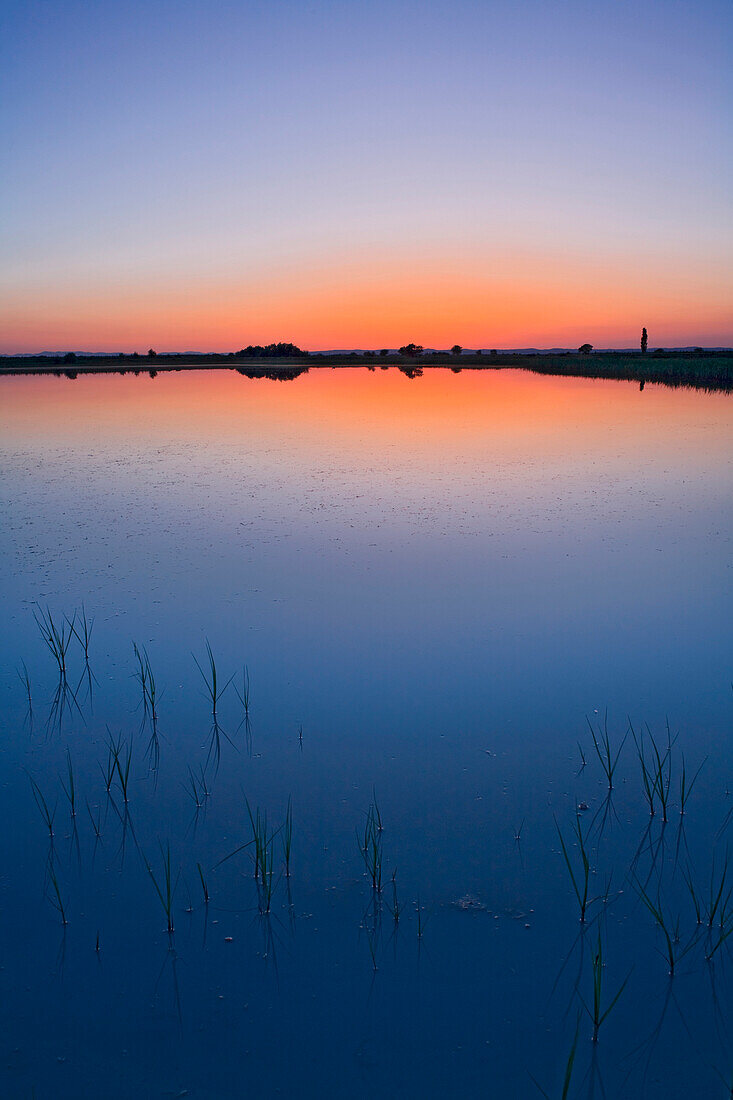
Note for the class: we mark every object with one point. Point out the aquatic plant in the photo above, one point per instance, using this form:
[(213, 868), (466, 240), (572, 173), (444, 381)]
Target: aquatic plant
[(717, 902), (123, 759), (726, 928), (602, 744), (69, 786), (568, 1067), (662, 771), (263, 842), (204, 887), (196, 787), (687, 876), (47, 814), (211, 679), (141, 674), (377, 814), (420, 922), (670, 934), (265, 846), (96, 822), (648, 775), (580, 880), (146, 678), (288, 835), (370, 846), (113, 752), (25, 680), (244, 695), (685, 787), (395, 907), (56, 899), (598, 1013), (57, 636), (81, 628), (166, 888), (63, 700), (371, 941)]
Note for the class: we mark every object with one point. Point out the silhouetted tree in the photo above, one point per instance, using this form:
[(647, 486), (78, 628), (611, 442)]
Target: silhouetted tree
[(411, 350), (70, 357), (456, 349), (384, 351), (152, 354), (644, 341), (272, 351), (585, 349)]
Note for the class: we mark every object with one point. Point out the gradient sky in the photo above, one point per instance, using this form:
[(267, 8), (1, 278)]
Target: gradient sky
[(203, 175)]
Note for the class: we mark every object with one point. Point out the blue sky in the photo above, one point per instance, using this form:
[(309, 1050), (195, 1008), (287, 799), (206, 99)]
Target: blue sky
[(171, 150)]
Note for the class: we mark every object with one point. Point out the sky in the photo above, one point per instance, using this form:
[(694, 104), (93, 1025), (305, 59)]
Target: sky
[(363, 173)]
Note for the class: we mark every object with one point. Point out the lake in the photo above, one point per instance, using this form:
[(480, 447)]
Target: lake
[(431, 593)]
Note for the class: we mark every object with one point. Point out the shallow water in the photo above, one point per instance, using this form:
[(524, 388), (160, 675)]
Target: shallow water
[(436, 580)]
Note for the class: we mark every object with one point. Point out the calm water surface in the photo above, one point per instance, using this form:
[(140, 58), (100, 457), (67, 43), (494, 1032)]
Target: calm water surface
[(433, 583)]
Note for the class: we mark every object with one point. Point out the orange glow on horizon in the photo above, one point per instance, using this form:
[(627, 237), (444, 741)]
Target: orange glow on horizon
[(434, 300)]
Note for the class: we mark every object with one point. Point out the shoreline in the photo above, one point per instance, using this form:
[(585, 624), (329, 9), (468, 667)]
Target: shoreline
[(699, 370)]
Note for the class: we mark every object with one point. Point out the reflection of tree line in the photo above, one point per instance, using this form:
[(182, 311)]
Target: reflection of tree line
[(708, 375), (695, 368), (275, 374)]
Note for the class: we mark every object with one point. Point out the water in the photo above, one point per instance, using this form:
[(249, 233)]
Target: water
[(436, 580)]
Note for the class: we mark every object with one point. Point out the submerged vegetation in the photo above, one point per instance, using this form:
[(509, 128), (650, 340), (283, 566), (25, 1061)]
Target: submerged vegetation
[(696, 929)]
